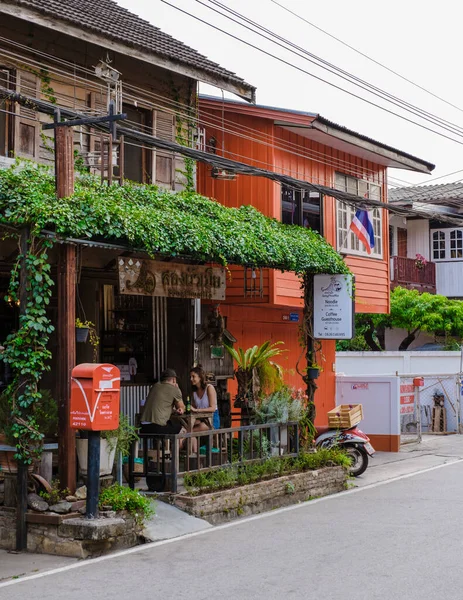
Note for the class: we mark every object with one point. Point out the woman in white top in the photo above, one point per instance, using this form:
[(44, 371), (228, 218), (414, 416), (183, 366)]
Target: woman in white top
[(204, 398)]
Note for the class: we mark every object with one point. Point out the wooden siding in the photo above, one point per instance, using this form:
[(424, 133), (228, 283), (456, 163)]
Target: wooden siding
[(255, 325), (154, 89), (235, 287), (244, 190), (372, 274), (449, 281)]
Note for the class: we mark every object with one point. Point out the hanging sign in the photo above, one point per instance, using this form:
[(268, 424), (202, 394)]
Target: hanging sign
[(333, 307), (142, 277)]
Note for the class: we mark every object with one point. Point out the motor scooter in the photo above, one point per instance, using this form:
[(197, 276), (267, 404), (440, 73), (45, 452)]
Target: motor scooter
[(353, 441)]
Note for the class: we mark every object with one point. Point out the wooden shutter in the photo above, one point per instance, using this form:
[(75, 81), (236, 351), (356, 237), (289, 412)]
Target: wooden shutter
[(164, 129), (27, 127)]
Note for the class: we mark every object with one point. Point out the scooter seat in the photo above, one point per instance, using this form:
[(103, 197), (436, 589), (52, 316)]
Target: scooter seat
[(322, 429)]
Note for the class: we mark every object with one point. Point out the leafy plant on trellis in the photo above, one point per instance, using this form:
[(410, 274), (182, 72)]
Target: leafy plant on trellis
[(26, 349), (160, 222)]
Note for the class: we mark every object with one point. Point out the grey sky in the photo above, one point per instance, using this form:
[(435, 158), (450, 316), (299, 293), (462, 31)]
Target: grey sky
[(423, 45)]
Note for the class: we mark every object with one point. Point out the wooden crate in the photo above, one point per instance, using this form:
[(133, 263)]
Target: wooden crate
[(345, 416)]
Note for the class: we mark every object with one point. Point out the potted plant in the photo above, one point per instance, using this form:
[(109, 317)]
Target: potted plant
[(247, 374), (84, 329), (46, 417), (420, 261), (7, 461), (313, 371), (280, 407), (118, 440)]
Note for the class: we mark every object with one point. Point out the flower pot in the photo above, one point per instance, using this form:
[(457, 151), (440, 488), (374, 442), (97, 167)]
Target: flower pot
[(8, 463), (107, 454), (313, 373), (81, 334)]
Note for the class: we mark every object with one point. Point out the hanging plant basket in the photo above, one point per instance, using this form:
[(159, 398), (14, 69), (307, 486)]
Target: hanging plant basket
[(313, 373), (81, 334)]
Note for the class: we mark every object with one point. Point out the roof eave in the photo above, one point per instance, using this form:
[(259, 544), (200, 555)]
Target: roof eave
[(404, 161), (247, 92)]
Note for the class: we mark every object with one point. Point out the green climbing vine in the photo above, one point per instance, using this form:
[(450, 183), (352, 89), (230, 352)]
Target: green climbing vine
[(162, 222), (25, 350), (184, 127)]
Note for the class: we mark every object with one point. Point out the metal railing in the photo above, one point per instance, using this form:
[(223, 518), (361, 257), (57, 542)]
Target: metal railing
[(173, 456)]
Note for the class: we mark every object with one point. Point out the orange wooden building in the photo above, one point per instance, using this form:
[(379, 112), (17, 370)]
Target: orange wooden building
[(263, 305)]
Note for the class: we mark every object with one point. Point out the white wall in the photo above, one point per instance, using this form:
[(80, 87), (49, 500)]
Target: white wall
[(379, 397), (401, 363), (418, 238), (393, 338), (449, 278)]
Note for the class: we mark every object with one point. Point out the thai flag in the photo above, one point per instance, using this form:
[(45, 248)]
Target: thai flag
[(363, 228)]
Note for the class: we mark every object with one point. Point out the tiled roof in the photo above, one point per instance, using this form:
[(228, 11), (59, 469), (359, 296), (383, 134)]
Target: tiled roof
[(109, 20), (447, 194)]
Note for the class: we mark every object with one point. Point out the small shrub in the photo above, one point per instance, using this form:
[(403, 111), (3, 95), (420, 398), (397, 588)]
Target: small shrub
[(120, 498), (56, 493), (289, 488), (228, 477)]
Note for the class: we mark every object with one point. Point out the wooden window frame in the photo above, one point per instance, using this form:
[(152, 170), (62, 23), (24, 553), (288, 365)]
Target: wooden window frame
[(346, 241), (444, 240)]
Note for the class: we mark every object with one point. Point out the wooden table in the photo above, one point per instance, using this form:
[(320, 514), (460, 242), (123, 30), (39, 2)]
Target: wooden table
[(188, 421)]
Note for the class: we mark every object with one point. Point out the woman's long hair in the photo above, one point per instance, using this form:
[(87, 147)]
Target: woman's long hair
[(201, 373)]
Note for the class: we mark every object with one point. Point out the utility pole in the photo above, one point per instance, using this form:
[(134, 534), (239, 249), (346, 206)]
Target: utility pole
[(66, 360)]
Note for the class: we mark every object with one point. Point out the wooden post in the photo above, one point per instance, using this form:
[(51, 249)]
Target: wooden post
[(64, 174), (21, 508)]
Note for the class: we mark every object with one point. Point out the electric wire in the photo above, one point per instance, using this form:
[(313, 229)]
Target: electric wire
[(298, 68), (376, 62), (102, 90), (331, 68)]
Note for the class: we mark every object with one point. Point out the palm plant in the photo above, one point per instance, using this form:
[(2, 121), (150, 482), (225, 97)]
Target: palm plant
[(249, 362)]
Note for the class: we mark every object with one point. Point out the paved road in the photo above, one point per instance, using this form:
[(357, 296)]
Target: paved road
[(401, 540)]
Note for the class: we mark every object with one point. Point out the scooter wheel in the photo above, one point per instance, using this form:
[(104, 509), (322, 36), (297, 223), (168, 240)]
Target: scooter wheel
[(359, 458)]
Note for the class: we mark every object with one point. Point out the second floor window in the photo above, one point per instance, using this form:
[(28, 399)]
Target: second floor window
[(447, 244), (301, 207), (347, 241)]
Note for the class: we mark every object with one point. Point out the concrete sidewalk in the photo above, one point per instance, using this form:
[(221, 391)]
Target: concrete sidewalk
[(170, 522), (434, 450)]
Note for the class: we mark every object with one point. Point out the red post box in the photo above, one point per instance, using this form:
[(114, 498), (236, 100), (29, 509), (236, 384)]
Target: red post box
[(95, 396)]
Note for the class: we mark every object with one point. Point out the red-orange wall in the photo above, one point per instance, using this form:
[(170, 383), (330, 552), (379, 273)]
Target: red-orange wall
[(260, 143), (254, 325)]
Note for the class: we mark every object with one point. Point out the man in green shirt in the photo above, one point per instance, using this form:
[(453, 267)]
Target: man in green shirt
[(163, 399)]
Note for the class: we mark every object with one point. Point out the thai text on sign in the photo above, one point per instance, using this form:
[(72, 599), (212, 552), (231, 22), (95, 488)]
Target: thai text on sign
[(407, 399), (142, 277)]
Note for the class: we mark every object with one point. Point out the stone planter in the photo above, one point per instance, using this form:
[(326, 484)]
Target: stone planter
[(68, 535), (106, 455), (225, 505)]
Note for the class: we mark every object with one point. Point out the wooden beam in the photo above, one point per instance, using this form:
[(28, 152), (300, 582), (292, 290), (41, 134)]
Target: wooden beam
[(64, 173)]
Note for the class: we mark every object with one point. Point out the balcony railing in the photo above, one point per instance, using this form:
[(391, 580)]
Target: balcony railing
[(406, 273)]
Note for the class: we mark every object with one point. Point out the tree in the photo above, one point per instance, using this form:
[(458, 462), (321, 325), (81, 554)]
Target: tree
[(414, 312)]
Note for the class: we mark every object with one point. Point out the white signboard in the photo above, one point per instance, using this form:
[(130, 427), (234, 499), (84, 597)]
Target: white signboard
[(333, 307)]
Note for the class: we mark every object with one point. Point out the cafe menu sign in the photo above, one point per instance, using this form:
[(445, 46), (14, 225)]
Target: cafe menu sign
[(142, 277), (333, 307)]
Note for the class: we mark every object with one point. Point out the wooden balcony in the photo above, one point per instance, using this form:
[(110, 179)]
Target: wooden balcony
[(405, 273)]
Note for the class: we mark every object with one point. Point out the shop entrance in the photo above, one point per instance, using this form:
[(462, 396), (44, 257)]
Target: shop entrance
[(143, 335)]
